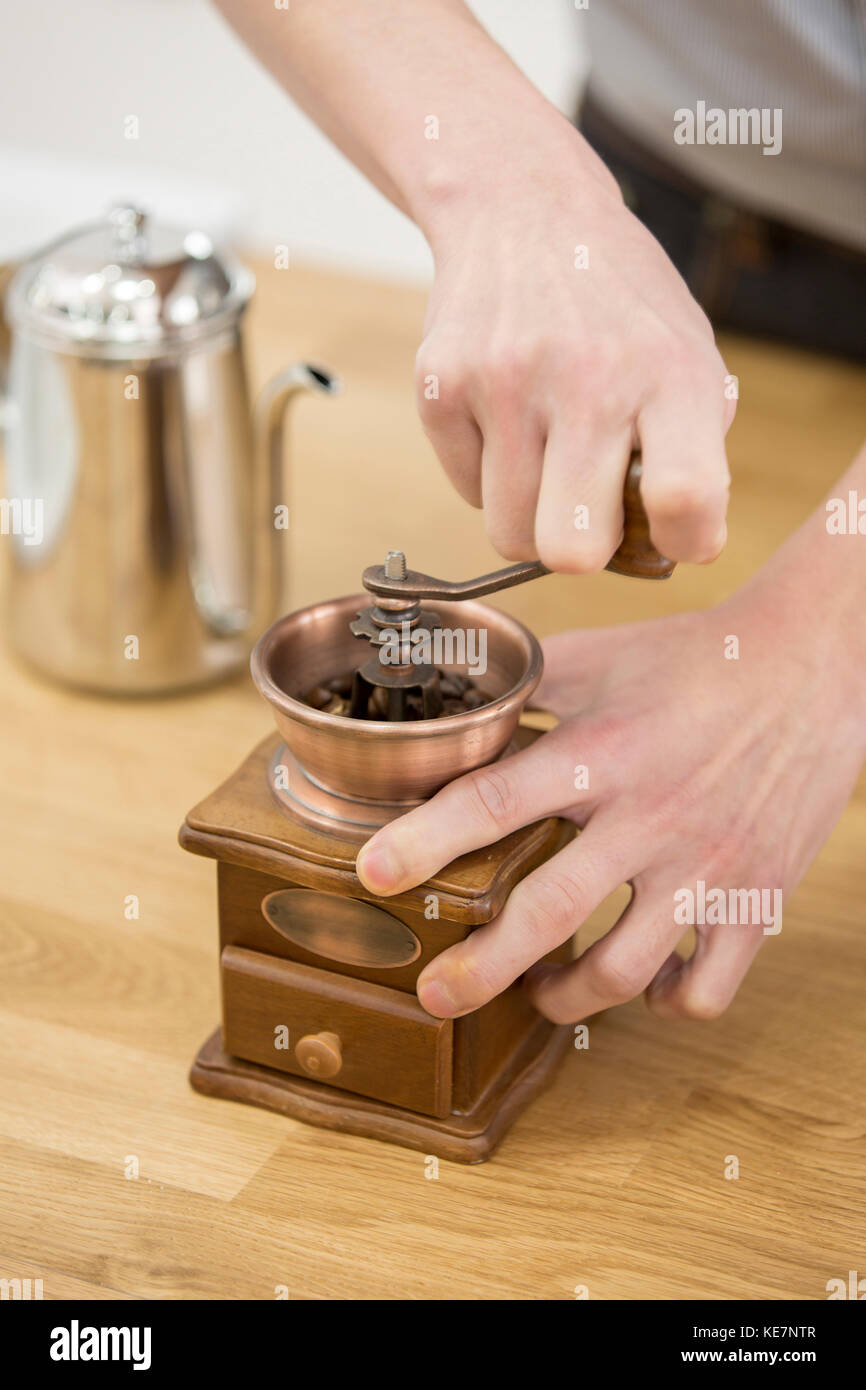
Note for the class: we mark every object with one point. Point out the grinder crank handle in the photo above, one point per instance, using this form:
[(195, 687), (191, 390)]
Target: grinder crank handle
[(636, 557)]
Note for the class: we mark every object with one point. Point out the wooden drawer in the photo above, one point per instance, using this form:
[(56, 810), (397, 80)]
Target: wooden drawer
[(385, 1045)]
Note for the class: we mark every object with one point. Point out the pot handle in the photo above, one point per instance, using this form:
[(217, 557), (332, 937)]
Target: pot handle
[(269, 419)]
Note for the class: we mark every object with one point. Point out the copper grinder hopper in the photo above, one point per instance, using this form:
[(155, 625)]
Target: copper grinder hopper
[(351, 775)]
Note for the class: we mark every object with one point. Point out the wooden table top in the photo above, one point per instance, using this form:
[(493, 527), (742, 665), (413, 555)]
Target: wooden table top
[(615, 1179)]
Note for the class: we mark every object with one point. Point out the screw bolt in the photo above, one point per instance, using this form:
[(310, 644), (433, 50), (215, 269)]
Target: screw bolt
[(395, 565)]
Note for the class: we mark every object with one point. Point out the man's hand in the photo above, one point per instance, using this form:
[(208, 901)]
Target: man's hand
[(537, 376), (559, 336), (718, 747)]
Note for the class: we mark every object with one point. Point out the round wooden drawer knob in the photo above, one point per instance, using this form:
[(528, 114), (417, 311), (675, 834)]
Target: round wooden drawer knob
[(320, 1054)]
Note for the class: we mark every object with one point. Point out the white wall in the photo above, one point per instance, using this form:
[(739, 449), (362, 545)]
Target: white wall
[(220, 145)]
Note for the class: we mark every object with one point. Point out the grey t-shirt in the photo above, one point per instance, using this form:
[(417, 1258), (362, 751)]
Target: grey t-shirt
[(666, 69)]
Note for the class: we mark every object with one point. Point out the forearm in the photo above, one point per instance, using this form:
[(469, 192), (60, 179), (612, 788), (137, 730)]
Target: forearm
[(373, 75), (815, 588)]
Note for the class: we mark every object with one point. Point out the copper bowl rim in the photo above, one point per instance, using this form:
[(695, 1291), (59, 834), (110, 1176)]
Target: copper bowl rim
[(382, 728)]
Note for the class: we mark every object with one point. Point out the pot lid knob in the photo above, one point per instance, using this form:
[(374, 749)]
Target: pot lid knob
[(128, 225)]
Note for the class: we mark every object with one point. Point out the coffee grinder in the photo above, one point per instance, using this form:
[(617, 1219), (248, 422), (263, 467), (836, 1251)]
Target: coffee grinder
[(320, 1020)]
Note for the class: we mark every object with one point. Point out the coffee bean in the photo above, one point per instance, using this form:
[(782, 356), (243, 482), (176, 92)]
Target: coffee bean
[(454, 685), (378, 706), (318, 697), (341, 685), (452, 707), (473, 699), (459, 695)]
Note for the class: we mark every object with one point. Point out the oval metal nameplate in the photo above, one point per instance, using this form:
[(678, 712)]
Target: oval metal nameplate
[(341, 929)]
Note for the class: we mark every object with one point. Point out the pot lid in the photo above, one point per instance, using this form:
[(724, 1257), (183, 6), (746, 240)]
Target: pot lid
[(125, 284)]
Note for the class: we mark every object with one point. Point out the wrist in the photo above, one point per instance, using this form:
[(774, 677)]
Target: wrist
[(500, 172), (808, 601)]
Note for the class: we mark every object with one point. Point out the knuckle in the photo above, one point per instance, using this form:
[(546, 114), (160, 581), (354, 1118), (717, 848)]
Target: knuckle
[(562, 1011), (676, 362), (602, 362), (440, 382), (593, 367), (725, 858), (706, 554), (675, 804), (606, 745), (481, 980), (583, 555), (610, 406), (553, 907), (676, 498), (506, 368), (702, 1006), (426, 365), (704, 327), (493, 799), (618, 978), (693, 359), (593, 554), (708, 360), (510, 541), (610, 730)]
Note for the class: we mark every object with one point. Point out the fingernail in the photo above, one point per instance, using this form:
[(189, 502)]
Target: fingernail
[(436, 997), (378, 867)]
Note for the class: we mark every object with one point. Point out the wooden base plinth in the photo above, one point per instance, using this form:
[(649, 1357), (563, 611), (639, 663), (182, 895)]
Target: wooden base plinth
[(469, 1138)]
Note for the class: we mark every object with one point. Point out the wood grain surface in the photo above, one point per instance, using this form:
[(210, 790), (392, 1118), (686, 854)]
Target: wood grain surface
[(614, 1179)]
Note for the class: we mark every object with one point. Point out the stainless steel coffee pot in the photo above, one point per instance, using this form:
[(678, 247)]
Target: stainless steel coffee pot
[(151, 516)]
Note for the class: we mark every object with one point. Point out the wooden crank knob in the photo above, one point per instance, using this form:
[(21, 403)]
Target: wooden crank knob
[(320, 1054), (637, 556)]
